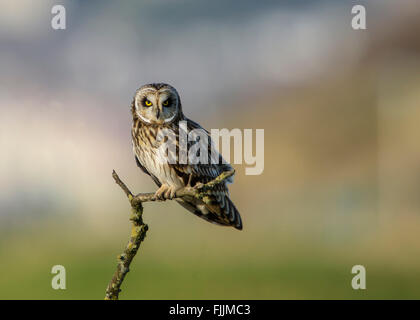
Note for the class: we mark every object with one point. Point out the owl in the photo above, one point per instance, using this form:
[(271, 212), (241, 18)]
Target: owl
[(156, 108)]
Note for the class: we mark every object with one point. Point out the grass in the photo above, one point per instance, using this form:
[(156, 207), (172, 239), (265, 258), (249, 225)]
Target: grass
[(291, 277)]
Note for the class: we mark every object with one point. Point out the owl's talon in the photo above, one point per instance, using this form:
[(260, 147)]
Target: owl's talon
[(199, 185), (189, 181), (173, 192), (165, 192), (159, 194)]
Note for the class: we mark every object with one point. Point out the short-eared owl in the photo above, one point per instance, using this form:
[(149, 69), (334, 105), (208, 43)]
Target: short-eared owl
[(156, 108)]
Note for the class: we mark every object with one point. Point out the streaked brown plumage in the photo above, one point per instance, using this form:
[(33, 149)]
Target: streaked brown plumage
[(155, 108)]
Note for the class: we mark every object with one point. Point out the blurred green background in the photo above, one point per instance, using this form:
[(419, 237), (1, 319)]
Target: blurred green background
[(340, 109)]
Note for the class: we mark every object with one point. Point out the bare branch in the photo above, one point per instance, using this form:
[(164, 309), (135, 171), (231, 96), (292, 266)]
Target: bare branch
[(139, 228), (121, 184)]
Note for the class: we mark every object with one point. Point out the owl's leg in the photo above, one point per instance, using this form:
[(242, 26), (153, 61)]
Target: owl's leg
[(189, 180), (166, 192)]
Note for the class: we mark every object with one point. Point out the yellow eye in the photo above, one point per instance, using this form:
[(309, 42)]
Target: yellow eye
[(166, 103), (147, 103)]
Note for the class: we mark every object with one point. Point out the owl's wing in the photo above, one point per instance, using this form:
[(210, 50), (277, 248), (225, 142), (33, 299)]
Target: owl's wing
[(221, 209), (147, 172), (207, 171)]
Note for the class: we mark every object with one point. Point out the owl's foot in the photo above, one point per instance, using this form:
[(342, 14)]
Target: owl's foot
[(189, 180), (165, 192)]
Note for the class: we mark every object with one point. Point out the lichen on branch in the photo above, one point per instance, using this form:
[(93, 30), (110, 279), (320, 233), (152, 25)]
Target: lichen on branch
[(139, 228)]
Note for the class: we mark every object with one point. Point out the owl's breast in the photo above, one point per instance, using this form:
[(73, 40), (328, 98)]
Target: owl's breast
[(154, 159)]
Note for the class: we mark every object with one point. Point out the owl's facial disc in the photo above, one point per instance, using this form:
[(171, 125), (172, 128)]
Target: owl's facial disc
[(156, 106)]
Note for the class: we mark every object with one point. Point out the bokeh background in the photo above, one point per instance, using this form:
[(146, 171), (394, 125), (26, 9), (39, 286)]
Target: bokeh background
[(340, 109)]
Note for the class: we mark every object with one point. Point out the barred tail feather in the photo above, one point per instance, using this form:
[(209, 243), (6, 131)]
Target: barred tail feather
[(221, 212), (233, 214)]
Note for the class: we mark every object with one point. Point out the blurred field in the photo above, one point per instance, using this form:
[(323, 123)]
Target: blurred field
[(299, 241), (341, 180), (178, 269)]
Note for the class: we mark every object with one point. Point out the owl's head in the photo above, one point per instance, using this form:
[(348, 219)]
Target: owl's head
[(157, 104)]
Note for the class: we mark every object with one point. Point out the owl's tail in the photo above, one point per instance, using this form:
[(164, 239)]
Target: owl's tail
[(233, 214), (220, 210)]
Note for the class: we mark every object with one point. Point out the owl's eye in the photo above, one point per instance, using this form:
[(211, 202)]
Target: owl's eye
[(147, 103), (166, 103)]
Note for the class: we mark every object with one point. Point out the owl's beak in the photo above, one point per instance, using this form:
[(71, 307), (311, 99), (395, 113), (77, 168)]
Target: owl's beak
[(157, 113)]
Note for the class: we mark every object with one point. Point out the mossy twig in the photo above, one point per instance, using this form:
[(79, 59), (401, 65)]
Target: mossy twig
[(139, 228)]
